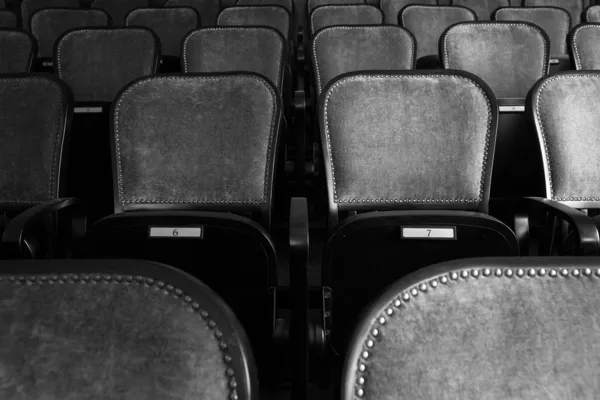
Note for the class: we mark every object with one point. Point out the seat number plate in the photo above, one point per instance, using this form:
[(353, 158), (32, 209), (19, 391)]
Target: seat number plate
[(429, 232), (174, 232)]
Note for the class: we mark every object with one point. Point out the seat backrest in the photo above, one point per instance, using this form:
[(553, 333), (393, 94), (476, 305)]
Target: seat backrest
[(427, 23), (509, 56), (583, 46), (340, 49), (556, 22), (206, 9), (29, 7), (574, 7), (288, 4), (228, 49), (170, 24), (391, 8), (481, 328), (96, 63), (203, 142), (363, 14), (8, 20), (132, 326), (118, 9), (592, 14), (36, 117), (276, 17), (312, 4), (17, 50), (483, 8), (379, 155), (564, 109), (47, 25)]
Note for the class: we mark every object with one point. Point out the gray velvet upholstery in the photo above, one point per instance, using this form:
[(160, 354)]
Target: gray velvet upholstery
[(510, 57), (97, 63), (483, 8), (206, 9), (427, 23), (554, 21), (271, 16), (48, 25), (585, 40), (287, 4), (170, 24), (8, 20), (325, 16), (512, 328), (406, 139), (28, 7), (16, 51), (196, 141), (391, 8), (229, 49), (118, 9), (33, 145), (592, 14), (118, 336), (340, 49), (574, 7), (312, 4), (565, 108)]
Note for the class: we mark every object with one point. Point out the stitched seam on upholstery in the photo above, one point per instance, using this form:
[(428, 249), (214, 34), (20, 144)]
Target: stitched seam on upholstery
[(149, 284), (58, 112), (235, 8), (575, 48), (466, 24), (270, 154), (338, 6), (165, 10), (102, 30), (358, 27), (409, 200), (403, 300), (238, 28), (425, 6)]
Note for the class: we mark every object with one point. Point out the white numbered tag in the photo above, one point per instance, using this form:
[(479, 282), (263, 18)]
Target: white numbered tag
[(87, 110), (184, 232), (504, 109), (428, 233)]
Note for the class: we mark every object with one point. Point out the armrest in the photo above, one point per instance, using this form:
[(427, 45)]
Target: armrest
[(12, 238), (589, 240)]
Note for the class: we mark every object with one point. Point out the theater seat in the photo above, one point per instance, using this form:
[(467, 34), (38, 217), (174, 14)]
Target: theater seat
[(8, 20), (118, 9), (490, 328), (206, 9), (357, 14), (17, 51), (118, 329), (391, 8), (583, 46), (483, 8)]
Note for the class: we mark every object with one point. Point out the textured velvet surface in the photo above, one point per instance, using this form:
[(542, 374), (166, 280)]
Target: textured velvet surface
[(195, 140), (391, 8), (566, 110), (584, 46), (555, 22), (509, 57), (97, 63), (271, 16), (592, 14), (29, 7), (483, 8), (340, 49), (325, 16), (206, 9), (32, 145), (171, 25), (513, 336), (574, 7), (48, 25), (118, 9), (417, 139), (8, 19), (105, 340), (312, 4), (16, 50), (427, 23), (288, 4), (229, 49)]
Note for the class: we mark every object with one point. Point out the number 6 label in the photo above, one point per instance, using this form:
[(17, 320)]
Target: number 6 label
[(174, 232)]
